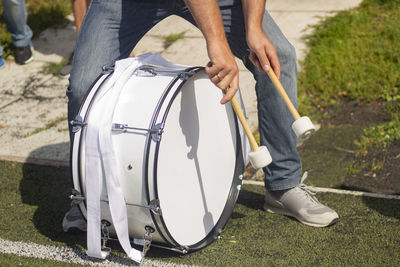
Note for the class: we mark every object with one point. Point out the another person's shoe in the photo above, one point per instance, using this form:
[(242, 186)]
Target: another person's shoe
[(299, 202), (73, 221), (2, 61), (24, 54)]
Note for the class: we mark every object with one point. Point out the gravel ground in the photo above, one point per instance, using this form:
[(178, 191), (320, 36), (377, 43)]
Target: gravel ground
[(71, 255)]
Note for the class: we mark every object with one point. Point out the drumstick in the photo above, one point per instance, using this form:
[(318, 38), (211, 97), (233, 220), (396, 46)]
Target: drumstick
[(302, 126), (283, 93), (239, 113), (260, 156)]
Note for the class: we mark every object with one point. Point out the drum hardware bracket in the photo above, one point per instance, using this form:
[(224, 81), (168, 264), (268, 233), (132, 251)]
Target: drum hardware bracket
[(106, 234), (147, 239), (108, 69), (154, 206), (239, 186), (156, 131), (76, 196), (152, 70), (77, 124)]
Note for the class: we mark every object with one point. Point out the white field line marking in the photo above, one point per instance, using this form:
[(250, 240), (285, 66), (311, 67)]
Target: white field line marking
[(336, 191), (69, 255)]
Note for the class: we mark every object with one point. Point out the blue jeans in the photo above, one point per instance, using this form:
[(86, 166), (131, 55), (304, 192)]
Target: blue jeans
[(112, 28), (15, 16)]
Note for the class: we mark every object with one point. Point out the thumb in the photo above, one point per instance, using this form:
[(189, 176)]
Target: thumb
[(263, 59)]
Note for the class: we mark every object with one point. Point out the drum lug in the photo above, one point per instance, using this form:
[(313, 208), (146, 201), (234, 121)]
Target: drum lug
[(157, 130), (77, 124), (147, 239), (184, 76), (76, 196), (155, 207), (184, 250), (106, 235)]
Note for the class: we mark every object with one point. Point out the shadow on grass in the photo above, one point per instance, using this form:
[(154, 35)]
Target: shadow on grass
[(48, 188), (251, 200), (386, 207)]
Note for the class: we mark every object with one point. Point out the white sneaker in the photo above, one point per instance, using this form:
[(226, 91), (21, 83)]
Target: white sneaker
[(299, 202)]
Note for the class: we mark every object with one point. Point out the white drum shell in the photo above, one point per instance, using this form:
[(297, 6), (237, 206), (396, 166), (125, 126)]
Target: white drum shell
[(136, 107)]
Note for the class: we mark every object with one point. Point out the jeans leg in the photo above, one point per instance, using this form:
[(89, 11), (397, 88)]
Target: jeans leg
[(109, 32), (275, 120), (15, 17)]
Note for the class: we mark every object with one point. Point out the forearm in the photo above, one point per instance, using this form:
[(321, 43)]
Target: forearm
[(253, 11), (222, 68), (208, 18)]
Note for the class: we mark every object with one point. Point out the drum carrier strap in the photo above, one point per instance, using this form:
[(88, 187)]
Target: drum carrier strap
[(99, 151)]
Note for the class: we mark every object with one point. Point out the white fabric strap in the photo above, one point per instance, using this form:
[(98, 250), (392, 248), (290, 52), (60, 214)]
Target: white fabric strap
[(115, 194), (99, 150), (92, 181)]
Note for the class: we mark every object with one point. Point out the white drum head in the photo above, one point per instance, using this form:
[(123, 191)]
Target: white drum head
[(196, 160)]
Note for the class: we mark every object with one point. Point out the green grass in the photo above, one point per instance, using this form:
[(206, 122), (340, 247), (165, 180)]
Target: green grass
[(49, 125), (42, 14), (55, 68), (356, 55), (328, 154), (173, 37), (367, 233)]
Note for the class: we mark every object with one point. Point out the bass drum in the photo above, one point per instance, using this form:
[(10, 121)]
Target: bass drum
[(179, 156)]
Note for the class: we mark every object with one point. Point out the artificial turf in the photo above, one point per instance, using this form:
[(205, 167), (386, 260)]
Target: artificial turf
[(34, 200), (9, 260)]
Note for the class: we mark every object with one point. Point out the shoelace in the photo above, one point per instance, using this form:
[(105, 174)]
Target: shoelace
[(307, 189)]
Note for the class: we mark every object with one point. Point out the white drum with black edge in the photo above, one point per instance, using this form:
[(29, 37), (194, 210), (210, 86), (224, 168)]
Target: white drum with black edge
[(179, 156)]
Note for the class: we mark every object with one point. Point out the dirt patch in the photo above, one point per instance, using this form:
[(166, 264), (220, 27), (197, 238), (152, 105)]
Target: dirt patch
[(330, 155), (352, 112), (378, 171)]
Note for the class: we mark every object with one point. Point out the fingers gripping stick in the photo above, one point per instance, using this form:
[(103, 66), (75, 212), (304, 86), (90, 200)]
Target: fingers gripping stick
[(302, 126), (259, 157)]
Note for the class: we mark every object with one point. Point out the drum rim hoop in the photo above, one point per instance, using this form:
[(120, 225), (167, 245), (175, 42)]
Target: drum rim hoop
[(233, 192)]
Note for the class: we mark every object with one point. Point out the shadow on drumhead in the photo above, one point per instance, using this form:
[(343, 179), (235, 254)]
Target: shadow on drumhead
[(190, 126), (47, 185)]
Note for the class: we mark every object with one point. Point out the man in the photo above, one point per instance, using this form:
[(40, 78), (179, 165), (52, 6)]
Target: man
[(15, 17), (231, 27)]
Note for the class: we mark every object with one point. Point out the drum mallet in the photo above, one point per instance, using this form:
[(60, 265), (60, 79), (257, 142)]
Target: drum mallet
[(259, 156), (302, 126)]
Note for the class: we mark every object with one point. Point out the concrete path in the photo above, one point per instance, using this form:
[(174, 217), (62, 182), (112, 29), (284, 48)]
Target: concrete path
[(33, 106)]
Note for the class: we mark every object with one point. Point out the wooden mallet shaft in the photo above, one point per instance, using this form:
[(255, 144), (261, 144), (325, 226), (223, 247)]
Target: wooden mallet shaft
[(240, 115), (283, 93)]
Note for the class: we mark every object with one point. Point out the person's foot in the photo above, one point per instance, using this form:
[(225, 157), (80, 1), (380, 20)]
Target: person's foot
[(24, 54), (1, 61), (299, 202), (73, 221)]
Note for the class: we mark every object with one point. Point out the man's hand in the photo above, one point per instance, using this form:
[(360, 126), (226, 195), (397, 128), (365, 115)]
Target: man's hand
[(262, 52), (222, 69)]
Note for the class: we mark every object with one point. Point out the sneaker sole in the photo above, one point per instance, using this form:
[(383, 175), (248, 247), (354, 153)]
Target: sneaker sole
[(271, 209)]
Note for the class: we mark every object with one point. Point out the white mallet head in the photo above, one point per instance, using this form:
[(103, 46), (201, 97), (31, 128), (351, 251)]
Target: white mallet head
[(260, 158), (303, 127)]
